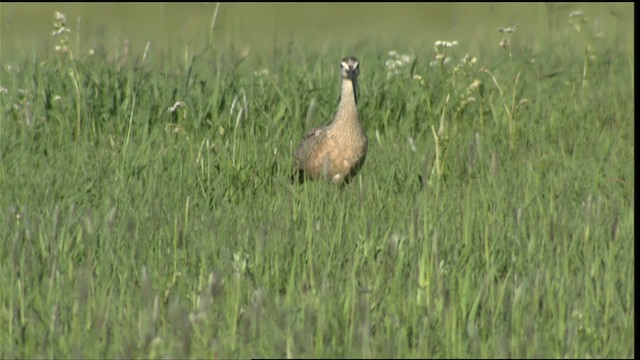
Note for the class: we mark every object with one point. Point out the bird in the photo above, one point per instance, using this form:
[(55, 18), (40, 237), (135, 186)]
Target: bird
[(335, 151)]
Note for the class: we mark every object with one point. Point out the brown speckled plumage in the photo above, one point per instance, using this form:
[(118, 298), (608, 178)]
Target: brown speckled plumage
[(335, 151)]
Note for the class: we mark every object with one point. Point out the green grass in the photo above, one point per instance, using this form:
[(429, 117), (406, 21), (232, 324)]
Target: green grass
[(491, 221)]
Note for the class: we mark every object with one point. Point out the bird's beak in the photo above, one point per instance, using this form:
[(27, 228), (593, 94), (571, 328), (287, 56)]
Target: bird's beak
[(352, 74)]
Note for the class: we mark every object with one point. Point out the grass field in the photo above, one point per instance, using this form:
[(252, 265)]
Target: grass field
[(146, 209)]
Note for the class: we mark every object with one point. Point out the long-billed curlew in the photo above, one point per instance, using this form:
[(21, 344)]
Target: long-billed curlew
[(335, 151)]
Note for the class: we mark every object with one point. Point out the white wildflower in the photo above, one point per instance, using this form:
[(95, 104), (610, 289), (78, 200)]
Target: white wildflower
[(91, 52), (261, 72), (445, 44), (474, 85), (396, 62), (57, 98), (60, 26), (176, 106), (3, 90), (60, 16), (441, 59), (392, 73), (507, 30), (59, 31), (419, 79), (575, 13), (467, 59)]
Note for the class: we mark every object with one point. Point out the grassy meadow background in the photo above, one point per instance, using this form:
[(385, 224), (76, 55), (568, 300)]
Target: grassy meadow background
[(146, 209)]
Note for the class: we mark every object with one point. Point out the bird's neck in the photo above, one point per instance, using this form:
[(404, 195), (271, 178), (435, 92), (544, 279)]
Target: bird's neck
[(348, 107)]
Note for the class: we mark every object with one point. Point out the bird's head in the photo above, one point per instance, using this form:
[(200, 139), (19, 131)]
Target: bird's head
[(349, 68)]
